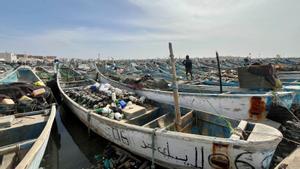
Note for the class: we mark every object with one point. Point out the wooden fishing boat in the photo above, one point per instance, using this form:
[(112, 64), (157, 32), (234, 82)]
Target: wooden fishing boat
[(289, 76), (24, 138), (212, 88), (26, 118), (239, 104), (201, 140), (21, 74), (44, 74)]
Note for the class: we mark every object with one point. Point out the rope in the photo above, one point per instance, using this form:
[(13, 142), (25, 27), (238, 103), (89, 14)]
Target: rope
[(222, 118), (89, 122), (153, 147), (238, 131)]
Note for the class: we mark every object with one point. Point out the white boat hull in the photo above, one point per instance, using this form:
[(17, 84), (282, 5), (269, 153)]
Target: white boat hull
[(236, 106), (192, 152), (289, 75), (180, 150)]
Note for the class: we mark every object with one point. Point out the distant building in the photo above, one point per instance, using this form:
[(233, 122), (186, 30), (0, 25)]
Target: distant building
[(8, 57), (22, 57), (50, 58)]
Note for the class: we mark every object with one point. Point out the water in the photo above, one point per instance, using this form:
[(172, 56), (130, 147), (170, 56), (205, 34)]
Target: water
[(69, 145)]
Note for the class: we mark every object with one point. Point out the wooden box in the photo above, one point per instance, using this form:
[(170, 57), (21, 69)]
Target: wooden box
[(133, 110)]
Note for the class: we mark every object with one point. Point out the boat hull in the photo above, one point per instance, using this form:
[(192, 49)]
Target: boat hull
[(233, 105), (192, 153), (289, 75), (34, 156), (178, 150)]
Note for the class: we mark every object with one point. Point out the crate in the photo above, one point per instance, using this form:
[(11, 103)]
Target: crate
[(133, 110)]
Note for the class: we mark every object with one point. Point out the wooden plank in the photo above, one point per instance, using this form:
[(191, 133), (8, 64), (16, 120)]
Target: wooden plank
[(6, 121), (8, 160), (187, 128), (186, 118), (290, 162)]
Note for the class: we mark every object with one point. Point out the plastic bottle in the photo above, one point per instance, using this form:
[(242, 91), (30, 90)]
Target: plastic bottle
[(142, 99), (111, 115), (122, 104), (118, 116), (113, 96), (133, 99)]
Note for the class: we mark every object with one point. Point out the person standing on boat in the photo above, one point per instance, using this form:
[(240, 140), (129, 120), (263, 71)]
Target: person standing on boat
[(188, 66)]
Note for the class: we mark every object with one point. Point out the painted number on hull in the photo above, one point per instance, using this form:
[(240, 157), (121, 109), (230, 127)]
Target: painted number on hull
[(120, 136)]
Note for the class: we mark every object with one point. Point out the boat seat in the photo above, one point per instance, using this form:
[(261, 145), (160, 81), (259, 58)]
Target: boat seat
[(161, 121), (186, 123), (8, 160), (238, 131), (171, 126), (141, 119), (6, 121)]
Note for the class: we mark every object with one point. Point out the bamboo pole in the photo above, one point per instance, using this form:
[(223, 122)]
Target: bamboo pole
[(220, 74), (175, 89)]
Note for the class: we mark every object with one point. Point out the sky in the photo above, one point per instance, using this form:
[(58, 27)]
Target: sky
[(139, 29)]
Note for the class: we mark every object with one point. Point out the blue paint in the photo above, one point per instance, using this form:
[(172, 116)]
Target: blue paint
[(268, 101)]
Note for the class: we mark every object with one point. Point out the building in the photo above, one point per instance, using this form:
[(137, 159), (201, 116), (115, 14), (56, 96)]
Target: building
[(8, 57)]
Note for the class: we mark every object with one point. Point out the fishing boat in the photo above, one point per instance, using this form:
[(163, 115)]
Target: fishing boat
[(26, 118), (289, 76), (198, 140), (250, 105), (44, 74)]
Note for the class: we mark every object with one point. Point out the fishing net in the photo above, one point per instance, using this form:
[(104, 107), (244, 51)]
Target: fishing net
[(24, 100)]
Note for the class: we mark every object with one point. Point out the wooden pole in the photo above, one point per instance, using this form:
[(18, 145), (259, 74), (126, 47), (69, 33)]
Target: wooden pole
[(220, 74), (175, 89)]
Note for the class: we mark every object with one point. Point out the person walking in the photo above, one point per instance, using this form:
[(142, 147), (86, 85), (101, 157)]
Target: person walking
[(188, 66)]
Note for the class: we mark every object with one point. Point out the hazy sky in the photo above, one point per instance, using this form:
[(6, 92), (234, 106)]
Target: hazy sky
[(143, 28)]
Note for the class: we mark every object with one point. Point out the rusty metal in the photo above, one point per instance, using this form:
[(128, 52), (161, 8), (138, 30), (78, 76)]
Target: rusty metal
[(219, 158), (257, 109)]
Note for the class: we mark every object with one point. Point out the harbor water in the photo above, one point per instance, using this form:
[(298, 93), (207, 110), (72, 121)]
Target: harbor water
[(70, 145)]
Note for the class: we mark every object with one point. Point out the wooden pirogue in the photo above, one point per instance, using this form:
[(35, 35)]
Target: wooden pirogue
[(236, 104), (26, 122), (201, 141)]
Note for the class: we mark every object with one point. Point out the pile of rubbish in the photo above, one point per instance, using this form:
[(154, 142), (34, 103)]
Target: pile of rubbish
[(106, 100), (115, 157), (24, 97)]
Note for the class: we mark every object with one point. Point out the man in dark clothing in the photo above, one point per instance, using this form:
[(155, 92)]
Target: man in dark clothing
[(188, 66)]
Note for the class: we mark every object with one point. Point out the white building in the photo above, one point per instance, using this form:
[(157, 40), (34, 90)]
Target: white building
[(8, 57)]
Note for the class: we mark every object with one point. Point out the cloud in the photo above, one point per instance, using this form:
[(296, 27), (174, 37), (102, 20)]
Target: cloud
[(197, 27)]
